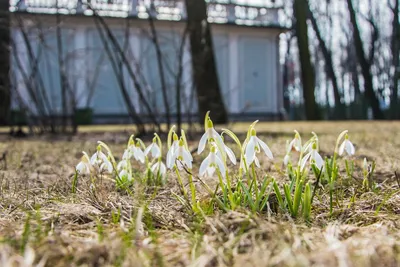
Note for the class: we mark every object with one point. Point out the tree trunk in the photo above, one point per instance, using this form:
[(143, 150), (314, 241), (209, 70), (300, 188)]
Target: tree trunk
[(205, 77), (365, 65), (307, 70), (395, 47), (5, 92), (328, 66)]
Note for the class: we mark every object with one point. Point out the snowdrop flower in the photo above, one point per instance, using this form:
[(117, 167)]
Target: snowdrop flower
[(106, 165), (211, 135), (211, 162), (313, 155), (98, 157), (347, 146), (295, 143), (84, 165), (123, 164), (134, 151), (159, 168), (125, 174), (182, 155), (154, 149), (253, 147), (286, 159), (173, 147), (100, 160)]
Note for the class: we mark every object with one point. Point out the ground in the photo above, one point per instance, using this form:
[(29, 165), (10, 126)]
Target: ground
[(43, 222)]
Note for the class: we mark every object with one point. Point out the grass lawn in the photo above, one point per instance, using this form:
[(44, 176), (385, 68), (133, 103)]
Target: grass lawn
[(43, 222)]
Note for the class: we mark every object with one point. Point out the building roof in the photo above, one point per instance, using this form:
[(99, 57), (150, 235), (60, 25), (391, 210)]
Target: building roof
[(259, 13)]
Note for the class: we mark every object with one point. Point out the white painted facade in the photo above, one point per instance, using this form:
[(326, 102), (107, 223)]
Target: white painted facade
[(247, 61)]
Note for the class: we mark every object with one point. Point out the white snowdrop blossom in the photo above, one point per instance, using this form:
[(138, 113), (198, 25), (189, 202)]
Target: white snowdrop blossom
[(347, 146), (295, 143), (313, 156), (125, 174), (84, 165), (253, 147), (211, 163), (123, 164), (101, 161), (173, 147), (210, 135), (159, 168), (182, 155), (154, 149), (98, 157), (134, 151)]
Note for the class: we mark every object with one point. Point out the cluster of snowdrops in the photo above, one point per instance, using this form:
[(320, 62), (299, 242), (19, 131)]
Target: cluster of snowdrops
[(235, 189)]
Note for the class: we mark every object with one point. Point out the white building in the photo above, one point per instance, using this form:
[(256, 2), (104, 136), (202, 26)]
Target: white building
[(245, 37)]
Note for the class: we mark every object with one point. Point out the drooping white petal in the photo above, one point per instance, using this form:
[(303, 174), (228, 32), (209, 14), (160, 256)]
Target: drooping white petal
[(230, 154), (158, 168), (265, 148), (304, 160), (147, 150), (102, 156), (341, 148), (106, 165), (290, 146), (139, 155), (83, 168), (220, 165), (202, 143), (122, 164), (210, 171), (187, 158), (257, 162), (350, 148), (297, 144), (217, 138), (250, 151), (319, 162), (204, 165), (171, 162), (155, 151), (127, 154), (286, 159), (93, 158)]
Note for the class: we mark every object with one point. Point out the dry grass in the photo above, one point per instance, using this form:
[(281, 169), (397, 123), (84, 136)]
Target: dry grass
[(43, 223)]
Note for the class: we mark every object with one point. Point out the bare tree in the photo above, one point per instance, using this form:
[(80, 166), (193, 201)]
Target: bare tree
[(307, 70), (364, 61), (395, 68), (329, 68), (204, 68), (5, 93)]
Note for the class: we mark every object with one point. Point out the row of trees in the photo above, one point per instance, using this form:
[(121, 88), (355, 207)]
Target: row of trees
[(205, 77), (342, 61), (353, 44)]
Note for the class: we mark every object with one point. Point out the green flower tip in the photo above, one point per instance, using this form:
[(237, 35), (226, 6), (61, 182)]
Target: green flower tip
[(99, 148), (175, 137), (253, 132), (346, 136), (213, 149), (137, 144), (181, 142), (154, 139), (314, 145), (210, 124)]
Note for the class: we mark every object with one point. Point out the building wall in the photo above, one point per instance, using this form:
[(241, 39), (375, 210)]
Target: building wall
[(247, 63)]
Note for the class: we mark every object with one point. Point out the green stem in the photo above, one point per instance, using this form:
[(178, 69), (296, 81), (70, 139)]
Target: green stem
[(181, 183)]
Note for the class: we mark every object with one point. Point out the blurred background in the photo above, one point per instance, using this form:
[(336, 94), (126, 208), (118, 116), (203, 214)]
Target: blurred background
[(65, 63)]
